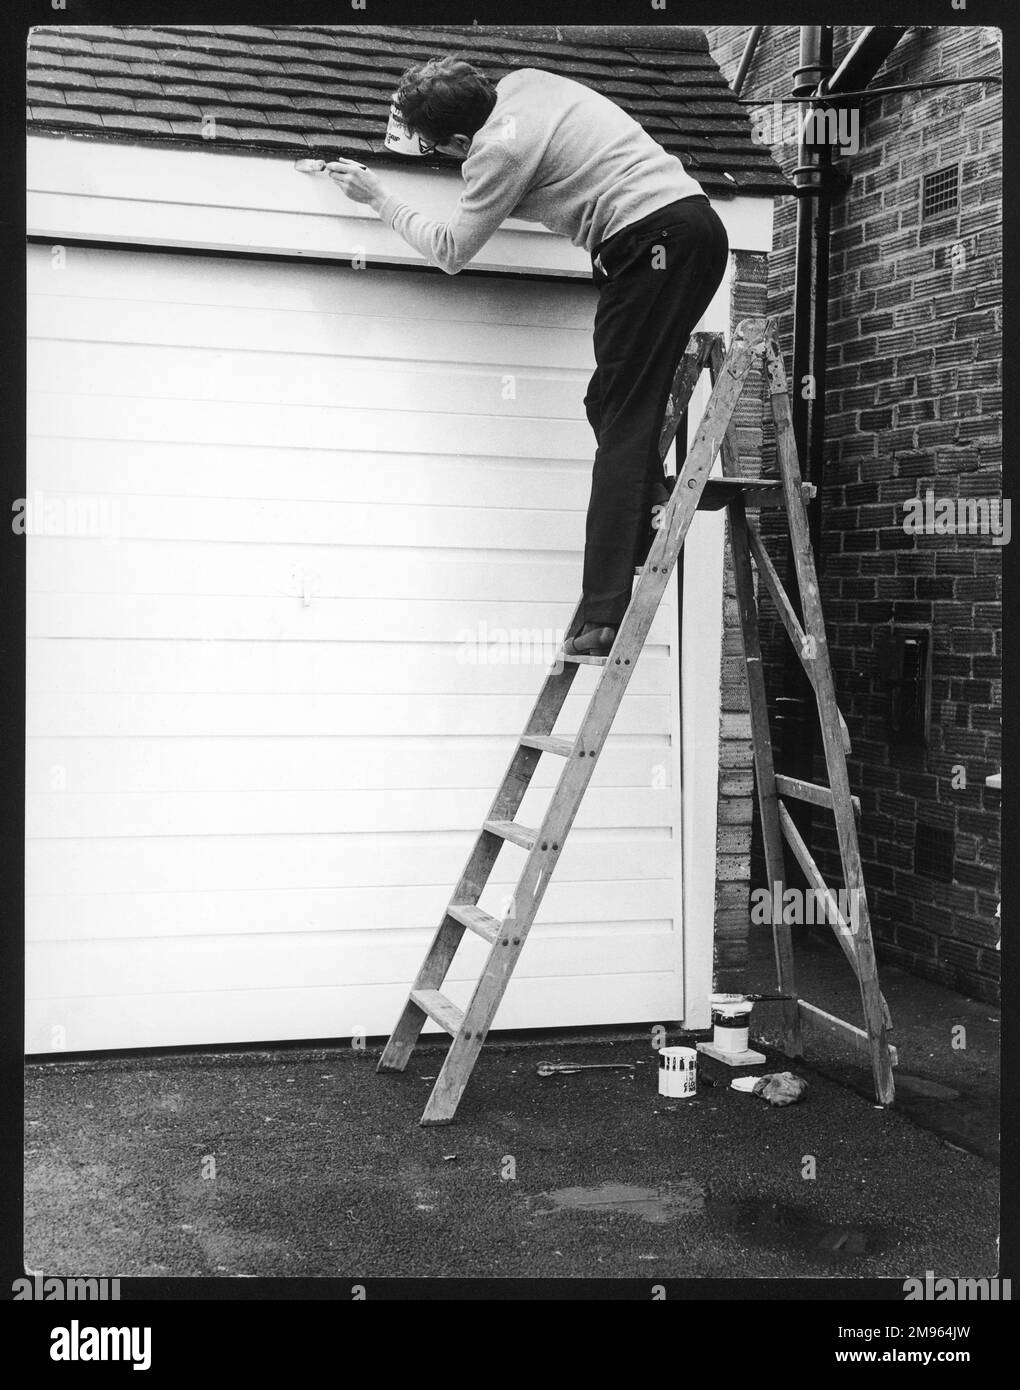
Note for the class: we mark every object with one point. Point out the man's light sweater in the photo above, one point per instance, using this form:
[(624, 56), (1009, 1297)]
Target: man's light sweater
[(552, 151)]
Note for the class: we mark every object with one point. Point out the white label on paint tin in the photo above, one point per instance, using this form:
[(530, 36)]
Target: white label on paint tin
[(678, 1071), (399, 138)]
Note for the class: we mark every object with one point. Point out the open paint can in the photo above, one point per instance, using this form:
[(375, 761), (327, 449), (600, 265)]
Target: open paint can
[(731, 1019), (678, 1071), (401, 140)]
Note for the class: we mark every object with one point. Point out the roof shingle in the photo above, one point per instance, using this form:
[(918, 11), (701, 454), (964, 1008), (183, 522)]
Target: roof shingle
[(324, 89)]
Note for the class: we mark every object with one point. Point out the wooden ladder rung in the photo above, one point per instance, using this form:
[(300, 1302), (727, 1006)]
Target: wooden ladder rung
[(811, 791), (478, 921), (814, 1017), (586, 660), (546, 743), (756, 492), (438, 1007), (509, 830)]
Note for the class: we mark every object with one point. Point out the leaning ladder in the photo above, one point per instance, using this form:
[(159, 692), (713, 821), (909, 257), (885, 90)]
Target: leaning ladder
[(755, 338)]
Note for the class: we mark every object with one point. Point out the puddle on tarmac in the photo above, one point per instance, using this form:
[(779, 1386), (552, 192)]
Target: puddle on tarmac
[(657, 1204), (754, 1220), (772, 1224)]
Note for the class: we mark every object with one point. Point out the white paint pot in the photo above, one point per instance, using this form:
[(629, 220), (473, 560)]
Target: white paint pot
[(731, 1017), (399, 138), (678, 1071)]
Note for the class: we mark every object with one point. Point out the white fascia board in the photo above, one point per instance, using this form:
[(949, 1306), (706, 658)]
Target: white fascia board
[(98, 190)]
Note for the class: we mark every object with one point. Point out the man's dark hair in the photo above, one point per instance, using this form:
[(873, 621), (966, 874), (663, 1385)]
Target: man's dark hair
[(444, 97)]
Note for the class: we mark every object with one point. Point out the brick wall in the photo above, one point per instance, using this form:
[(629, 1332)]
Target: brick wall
[(913, 402)]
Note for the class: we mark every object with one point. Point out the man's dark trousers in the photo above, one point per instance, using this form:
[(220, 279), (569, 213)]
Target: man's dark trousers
[(658, 278)]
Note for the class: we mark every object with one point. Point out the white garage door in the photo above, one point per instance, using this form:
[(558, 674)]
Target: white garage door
[(280, 518)]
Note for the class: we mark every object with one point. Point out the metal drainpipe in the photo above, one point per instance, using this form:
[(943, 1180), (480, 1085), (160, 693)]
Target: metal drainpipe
[(821, 204), (813, 179), (809, 175), (747, 57), (810, 295), (819, 345)]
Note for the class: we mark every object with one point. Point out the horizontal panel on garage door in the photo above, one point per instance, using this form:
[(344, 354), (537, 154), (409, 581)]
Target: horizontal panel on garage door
[(171, 865), (94, 765), (63, 814), (110, 713), (569, 906), (254, 377), (227, 423), (134, 569), (336, 529), (472, 658), (334, 474), (450, 630), (331, 1010), (225, 282), (202, 963)]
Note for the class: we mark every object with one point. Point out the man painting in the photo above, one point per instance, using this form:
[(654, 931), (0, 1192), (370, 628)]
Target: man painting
[(547, 149)]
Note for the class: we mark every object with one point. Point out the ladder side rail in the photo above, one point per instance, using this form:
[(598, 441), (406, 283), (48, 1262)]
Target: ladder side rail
[(846, 831), (693, 362)]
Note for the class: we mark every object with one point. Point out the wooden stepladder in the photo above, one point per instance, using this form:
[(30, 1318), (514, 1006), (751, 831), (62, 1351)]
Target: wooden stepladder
[(754, 339), (852, 927)]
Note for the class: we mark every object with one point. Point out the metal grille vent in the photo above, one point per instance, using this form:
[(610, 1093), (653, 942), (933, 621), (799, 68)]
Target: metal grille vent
[(941, 193)]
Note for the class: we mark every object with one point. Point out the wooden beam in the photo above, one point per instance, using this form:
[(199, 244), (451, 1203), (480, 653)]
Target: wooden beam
[(439, 1008), (756, 492), (812, 1017), (811, 791), (769, 575)]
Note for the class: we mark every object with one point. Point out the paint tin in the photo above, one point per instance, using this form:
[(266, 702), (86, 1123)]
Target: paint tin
[(678, 1071), (399, 138), (731, 1018)]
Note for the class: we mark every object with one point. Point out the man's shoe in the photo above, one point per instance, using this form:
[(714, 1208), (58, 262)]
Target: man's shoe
[(593, 640)]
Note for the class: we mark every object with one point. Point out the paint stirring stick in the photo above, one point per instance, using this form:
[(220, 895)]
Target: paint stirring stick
[(568, 1068)]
